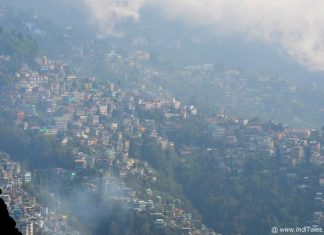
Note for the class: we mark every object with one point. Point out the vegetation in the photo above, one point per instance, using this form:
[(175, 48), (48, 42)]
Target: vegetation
[(15, 49), (247, 199), (253, 201), (34, 150)]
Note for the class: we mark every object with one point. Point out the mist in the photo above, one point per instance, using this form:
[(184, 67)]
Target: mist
[(91, 206), (295, 27), (108, 13)]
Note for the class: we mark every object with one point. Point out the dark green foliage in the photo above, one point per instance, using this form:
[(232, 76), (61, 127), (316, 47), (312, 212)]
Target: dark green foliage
[(15, 49), (192, 132), (163, 162), (252, 202), (35, 150)]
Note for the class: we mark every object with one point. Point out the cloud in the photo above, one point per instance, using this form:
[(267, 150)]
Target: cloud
[(296, 26), (108, 13)]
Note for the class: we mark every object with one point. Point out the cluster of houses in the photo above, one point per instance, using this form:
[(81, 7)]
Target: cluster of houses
[(30, 216), (290, 146), (96, 120), (237, 139), (254, 136)]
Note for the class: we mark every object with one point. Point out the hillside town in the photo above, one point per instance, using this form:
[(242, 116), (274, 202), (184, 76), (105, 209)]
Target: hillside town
[(80, 113), (98, 120), (31, 217)]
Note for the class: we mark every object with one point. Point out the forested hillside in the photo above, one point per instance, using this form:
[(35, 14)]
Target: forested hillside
[(15, 49)]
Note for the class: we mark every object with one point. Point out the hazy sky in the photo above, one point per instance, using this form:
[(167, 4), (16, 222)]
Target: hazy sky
[(296, 26)]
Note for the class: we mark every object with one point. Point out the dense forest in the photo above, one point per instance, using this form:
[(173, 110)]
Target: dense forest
[(252, 201), (32, 149)]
